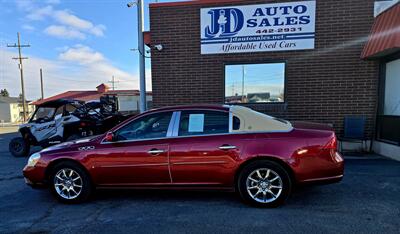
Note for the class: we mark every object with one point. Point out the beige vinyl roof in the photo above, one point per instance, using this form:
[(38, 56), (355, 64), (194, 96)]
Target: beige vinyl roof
[(253, 121)]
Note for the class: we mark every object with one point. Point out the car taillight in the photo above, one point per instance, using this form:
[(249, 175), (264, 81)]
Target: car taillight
[(332, 143), (331, 147)]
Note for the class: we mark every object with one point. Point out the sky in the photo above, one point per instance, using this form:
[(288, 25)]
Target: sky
[(79, 44)]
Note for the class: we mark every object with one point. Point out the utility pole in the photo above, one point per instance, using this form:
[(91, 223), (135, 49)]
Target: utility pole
[(41, 83), (20, 58), (140, 7), (242, 83), (142, 74), (112, 82)]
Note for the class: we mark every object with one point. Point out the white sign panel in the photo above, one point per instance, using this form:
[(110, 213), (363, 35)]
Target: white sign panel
[(196, 123), (255, 28)]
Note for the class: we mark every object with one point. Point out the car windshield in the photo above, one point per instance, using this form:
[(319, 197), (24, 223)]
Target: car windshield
[(44, 113)]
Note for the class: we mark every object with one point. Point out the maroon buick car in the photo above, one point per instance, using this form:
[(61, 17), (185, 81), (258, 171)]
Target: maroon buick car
[(193, 147)]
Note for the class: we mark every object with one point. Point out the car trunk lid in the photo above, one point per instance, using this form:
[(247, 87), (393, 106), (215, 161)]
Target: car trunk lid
[(311, 125)]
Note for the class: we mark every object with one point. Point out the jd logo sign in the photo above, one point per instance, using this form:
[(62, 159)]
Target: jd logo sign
[(224, 22), (256, 28)]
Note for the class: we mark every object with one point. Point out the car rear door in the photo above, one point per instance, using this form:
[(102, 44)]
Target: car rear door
[(139, 154), (204, 153)]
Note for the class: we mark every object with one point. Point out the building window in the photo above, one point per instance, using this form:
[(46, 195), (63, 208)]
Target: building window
[(255, 83), (389, 117), (392, 88)]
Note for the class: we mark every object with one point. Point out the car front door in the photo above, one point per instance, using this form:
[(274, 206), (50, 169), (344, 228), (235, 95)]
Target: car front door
[(138, 155), (204, 153)]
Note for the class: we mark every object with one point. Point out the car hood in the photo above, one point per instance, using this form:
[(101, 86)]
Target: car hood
[(71, 144)]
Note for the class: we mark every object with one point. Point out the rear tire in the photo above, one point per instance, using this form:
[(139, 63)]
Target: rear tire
[(18, 147), (70, 183), (264, 184)]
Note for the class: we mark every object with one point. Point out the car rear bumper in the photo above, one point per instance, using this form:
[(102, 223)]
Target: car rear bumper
[(324, 180), (321, 170)]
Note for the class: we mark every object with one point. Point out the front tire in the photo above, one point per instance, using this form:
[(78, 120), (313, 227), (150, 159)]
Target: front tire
[(264, 184), (18, 147), (70, 183)]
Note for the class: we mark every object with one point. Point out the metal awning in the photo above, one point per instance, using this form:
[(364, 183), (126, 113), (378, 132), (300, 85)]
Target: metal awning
[(385, 34)]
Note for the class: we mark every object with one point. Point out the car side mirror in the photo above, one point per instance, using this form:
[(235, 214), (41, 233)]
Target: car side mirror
[(109, 137)]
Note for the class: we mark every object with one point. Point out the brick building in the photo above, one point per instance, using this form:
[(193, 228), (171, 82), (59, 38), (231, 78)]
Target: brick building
[(302, 62)]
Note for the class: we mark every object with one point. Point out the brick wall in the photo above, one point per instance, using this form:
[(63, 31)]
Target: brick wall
[(323, 85)]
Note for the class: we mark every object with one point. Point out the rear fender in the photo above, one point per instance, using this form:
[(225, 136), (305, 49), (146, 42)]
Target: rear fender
[(283, 148)]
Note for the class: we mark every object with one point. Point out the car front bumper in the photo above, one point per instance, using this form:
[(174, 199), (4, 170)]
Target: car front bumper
[(35, 176)]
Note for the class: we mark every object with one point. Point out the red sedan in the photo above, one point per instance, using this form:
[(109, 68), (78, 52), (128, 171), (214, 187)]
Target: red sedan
[(187, 147)]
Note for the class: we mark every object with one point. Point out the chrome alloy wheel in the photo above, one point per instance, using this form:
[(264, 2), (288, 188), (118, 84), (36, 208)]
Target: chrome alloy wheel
[(68, 183), (264, 185)]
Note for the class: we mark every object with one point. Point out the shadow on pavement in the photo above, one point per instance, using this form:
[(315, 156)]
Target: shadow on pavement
[(228, 198)]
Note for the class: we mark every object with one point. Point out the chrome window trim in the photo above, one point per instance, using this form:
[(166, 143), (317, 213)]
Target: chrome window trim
[(175, 132), (171, 125), (206, 135), (230, 121), (136, 140)]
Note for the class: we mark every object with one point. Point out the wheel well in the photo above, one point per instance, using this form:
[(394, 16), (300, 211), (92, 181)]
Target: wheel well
[(62, 160), (266, 158), (27, 135)]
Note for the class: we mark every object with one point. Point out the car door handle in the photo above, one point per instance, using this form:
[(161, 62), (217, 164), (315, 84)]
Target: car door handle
[(227, 147), (156, 151)]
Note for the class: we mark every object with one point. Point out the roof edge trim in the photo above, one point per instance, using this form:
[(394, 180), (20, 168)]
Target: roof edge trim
[(189, 3)]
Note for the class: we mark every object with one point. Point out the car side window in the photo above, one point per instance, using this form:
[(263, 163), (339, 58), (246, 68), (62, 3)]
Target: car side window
[(43, 114), (194, 123), (235, 123), (70, 108), (59, 112), (148, 127)]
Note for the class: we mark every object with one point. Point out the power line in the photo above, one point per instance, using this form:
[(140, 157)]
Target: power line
[(20, 58), (243, 74), (78, 81)]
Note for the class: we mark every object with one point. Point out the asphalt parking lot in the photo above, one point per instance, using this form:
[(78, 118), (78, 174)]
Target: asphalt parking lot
[(367, 201)]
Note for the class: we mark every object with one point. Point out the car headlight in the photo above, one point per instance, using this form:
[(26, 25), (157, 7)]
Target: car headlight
[(33, 159)]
